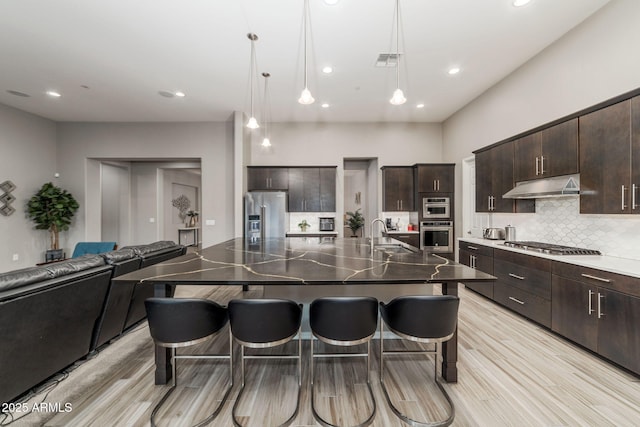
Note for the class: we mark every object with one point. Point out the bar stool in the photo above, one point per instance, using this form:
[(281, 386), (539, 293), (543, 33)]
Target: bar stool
[(265, 323), (343, 321), (423, 319), (183, 322)]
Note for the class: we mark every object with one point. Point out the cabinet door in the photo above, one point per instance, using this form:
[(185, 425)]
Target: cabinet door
[(559, 149), (527, 158), (257, 179), (279, 178), (605, 167), (311, 183), (405, 189), (484, 179), (618, 335), (635, 155), (502, 176), (434, 178), (327, 190), (398, 189), (296, 190), (573, 311)]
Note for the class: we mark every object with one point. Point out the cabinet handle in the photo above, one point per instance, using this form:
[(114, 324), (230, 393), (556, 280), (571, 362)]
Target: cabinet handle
[(515, 276), (473, 248), (472, 261), (633, 196), (401, 205), (438, 185), (541, 165), (516, 300), (537, 166), (622, 198), (600, 313), (588, 276), (591, 294), (434, 185)]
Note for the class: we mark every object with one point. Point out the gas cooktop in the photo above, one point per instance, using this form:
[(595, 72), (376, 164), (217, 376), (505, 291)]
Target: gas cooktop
[(548, 248)]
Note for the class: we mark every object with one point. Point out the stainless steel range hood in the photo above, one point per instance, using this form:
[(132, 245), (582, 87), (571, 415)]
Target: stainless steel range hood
[(559, 186)]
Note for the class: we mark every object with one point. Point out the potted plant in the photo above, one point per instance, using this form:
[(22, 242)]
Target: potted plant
[(304, 225), (52, 208), (355, 221)]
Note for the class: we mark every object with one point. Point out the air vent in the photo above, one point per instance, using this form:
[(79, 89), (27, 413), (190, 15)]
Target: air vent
[(16, 93), (387, 60)]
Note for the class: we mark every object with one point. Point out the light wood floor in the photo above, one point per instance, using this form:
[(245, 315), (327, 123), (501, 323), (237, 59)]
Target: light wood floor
[(511, 373)]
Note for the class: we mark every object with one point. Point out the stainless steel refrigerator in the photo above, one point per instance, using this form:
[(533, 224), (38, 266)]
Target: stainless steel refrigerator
[(265, 214)]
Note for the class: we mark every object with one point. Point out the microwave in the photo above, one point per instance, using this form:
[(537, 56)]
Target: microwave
[(436, 208), (327, 224)]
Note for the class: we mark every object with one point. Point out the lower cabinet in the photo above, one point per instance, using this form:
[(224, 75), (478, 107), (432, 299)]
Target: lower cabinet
[(481, 258), (412, 239)]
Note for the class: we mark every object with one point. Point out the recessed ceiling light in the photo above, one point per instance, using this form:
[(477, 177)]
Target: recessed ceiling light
[(53, 94), (325, 105), (18, 93), (331, 2), (166, 93), (327, 70), (519, 3), (180, 94), (454, 70), (420, 106)]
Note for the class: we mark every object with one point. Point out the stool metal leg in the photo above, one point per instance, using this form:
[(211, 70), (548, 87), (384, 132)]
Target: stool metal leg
[(316, 415), (402, 416)]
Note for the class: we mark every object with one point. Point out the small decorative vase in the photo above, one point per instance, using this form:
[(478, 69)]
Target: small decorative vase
[(192, 222)]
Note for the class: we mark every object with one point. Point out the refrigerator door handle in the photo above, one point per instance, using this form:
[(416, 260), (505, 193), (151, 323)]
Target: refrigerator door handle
[(262, 221)]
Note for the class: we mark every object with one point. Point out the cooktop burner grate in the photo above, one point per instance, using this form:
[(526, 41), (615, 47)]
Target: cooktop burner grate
[(548, 248)]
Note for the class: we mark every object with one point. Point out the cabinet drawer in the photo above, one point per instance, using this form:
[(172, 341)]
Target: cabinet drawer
[(529, 305), (617, 282), (524, 260), (537, 282), (475, 248)]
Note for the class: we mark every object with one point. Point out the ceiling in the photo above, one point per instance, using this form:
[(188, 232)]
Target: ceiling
[(110, 58)]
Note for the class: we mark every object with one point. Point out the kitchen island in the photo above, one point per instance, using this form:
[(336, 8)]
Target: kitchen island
[(303, 262)]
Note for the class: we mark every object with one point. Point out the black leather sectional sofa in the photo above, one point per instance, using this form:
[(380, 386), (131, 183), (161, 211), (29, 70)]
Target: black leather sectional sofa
[(53, 315)]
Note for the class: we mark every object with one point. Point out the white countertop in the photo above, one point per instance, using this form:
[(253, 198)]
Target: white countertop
[(403, 232), (625, 266), (329, 233)]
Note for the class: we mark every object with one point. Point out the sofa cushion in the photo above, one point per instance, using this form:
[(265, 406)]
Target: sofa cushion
[(26, 276), (142, 250), (123, 254), (75, 265)]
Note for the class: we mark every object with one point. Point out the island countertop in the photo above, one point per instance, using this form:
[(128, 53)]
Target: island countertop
[(305, 261)]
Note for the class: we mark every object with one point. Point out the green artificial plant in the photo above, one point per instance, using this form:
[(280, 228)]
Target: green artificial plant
[(355, 221), (52, 208)]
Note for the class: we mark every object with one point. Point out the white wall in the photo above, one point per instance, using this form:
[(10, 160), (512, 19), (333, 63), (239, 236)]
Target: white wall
[(28, 159), (211, 143), (177, 176), (594, 62)]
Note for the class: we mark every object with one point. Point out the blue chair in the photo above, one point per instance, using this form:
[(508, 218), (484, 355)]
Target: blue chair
[(84, 248)]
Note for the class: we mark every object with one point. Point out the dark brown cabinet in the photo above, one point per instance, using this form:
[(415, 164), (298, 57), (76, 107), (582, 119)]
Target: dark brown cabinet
[(481, 258), (412, 239), (550, 152), (494, 177), (312, 189), (267, 178), (594, 309), (608, 185), (435, 178), (397, 188)]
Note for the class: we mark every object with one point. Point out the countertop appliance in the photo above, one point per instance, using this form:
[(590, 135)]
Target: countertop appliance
[(436, 208), (510, 233), (436, 236), (493, 233), (327, 224), (551, 249), (265, 214)]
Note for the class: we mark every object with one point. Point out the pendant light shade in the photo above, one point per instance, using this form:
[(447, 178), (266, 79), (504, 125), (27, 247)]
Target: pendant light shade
[(252, 123), (266, 142), (305, 97), (398, 96)]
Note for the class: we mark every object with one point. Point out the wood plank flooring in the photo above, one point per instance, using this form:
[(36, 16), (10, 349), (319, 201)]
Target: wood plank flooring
[(511, 373)]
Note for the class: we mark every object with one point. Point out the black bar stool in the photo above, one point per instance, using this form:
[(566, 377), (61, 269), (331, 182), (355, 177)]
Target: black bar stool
[(343, 321), (265, 323), (183, 322), (423, 319)]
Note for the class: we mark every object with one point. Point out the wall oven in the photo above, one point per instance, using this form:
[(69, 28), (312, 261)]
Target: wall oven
[(436, 208), (436, 236)]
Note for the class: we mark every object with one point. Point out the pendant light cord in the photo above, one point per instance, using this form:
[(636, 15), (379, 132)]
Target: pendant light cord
[(397, 44), (306, 13)]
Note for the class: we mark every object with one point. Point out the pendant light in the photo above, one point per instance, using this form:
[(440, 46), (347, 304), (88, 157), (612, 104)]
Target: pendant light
[(266, 142), (398, 97), (305, 96), (252, 123)]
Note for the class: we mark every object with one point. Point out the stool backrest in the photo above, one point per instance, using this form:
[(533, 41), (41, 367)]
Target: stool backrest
[(344, 318), (178, 322), (264, 320), (432, 316)]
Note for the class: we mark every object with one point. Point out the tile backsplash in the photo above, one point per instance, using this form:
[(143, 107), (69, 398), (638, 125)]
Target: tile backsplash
[(313, 219), (559, 221)]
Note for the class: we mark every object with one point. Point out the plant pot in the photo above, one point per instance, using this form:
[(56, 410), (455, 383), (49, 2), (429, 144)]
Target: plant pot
[(53, 255)]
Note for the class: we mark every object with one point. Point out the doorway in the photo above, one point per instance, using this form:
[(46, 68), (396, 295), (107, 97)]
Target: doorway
[(115, 204), (361, 190)]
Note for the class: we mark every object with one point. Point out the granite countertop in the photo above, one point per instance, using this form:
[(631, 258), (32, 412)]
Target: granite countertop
[(625, 266), (303, 261)]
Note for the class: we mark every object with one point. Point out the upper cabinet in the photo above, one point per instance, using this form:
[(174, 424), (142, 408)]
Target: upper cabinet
[(551, 152), (397, 188), (267, 178), (494, 177), (435, 178), (609, 159), (312, 189)]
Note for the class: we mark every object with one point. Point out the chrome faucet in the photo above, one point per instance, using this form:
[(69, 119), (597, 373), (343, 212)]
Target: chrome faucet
[(371, 231)]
